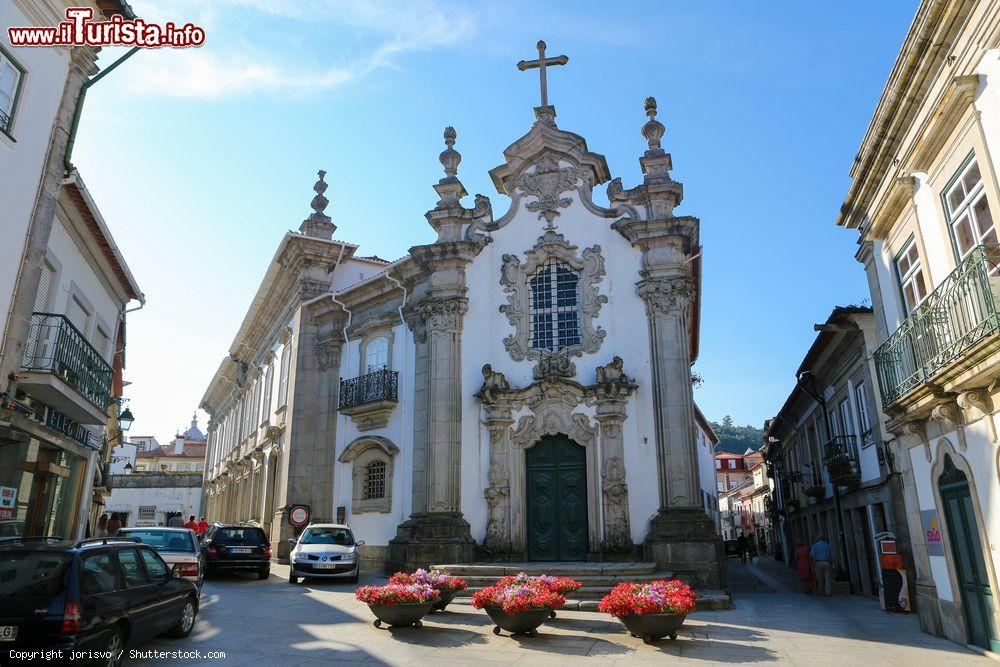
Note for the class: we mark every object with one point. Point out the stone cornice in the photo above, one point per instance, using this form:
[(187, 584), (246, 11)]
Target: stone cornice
[(900, 194), (942, 121)]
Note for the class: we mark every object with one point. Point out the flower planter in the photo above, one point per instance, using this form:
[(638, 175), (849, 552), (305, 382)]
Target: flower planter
[(521, 623), (447, 597), (652, 627), (408, 613)]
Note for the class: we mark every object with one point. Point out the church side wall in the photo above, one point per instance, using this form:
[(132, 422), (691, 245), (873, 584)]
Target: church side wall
[(624, 319), (376, 528)]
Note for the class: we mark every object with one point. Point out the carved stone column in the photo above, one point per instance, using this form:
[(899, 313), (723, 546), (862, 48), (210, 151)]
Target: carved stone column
[(498, 539), (614, 489), (668, 301)]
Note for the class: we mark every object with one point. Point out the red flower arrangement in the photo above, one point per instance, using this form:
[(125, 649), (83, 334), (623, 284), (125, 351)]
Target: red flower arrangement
[(439, 580), (393, 594), (656, 597), (560, 585), (515, 598)]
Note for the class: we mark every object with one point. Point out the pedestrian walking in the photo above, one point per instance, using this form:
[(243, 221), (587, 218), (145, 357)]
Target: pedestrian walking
[(114, 524), (803, 563), (175, 521), (741, 547), (202, 526), (192, 525), (102, 526), (822, 555)]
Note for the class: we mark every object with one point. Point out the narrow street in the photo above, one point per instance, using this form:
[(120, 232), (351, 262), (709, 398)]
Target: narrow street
[(275, 623)]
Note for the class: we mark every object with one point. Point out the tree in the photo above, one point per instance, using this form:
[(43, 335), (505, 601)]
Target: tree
[(727, 421)]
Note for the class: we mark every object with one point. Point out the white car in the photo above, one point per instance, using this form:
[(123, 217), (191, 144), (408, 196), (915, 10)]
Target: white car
[(177, 546), (327, 551)]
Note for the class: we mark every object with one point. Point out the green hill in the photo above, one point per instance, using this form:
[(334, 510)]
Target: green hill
[(737, 439)]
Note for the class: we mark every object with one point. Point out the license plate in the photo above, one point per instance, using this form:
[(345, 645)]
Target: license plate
[(8, 633), (240, 550)]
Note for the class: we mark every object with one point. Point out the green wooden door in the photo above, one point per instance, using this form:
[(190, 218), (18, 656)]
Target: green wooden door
[(967, 551), (557, 500)]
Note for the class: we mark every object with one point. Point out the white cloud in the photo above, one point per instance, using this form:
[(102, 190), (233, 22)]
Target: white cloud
[(236, 60)]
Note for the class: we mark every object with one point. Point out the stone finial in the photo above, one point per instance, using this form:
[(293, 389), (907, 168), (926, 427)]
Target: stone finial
[(653, 129), (318, 224), (450, 158), (319, 202)]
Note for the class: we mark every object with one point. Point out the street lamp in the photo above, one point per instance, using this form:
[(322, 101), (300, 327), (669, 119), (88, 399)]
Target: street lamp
[(125, 419), (128, 468)]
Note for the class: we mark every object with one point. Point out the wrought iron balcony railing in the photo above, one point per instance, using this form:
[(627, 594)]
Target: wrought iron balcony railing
[(381, 385), (841, 459), (55, 346), (812, 479), (961, 312), (4, 122)]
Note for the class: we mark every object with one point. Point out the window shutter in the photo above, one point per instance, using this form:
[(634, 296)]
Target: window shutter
[(44, 288), (77, 315)]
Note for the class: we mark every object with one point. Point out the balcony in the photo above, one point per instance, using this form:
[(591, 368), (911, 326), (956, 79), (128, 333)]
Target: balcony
[(812, 481), (370, 399), (64, 371), (956, 316), (841, 460)]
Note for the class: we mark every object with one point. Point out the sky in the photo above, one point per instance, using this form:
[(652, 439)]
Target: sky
[(200, 159)]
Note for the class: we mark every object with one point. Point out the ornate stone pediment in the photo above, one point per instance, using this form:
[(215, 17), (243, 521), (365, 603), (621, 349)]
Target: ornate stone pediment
[(514, 277), (612, 385), (547, 183)]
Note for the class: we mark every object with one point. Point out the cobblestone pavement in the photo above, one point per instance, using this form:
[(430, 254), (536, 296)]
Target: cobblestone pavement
[(276, 623)]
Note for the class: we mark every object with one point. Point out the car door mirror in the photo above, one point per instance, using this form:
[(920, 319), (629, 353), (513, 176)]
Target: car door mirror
[(292, 541), (175, 572), (359, 543)]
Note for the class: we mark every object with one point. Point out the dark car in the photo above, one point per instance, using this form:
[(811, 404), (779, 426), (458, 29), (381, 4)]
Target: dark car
[(235, 548), (95, 595)]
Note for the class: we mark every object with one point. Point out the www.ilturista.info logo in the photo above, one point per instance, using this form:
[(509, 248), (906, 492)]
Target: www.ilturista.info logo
[(79, 30)]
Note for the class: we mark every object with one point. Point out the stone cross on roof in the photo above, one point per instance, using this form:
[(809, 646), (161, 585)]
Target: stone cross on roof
[(540, 65)]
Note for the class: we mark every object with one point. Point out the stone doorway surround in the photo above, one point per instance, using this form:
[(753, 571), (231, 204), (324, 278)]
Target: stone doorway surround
[(553, 403)]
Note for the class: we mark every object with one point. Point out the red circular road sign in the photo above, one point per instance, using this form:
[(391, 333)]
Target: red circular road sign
[(298, 515)]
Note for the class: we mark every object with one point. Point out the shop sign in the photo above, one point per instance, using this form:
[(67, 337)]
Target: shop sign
[(932, 532), (8, 502)]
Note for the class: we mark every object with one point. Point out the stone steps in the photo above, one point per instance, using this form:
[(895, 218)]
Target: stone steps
[(597, 578)]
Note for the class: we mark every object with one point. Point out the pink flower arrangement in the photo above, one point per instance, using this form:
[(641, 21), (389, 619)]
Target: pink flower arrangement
[(656, 597), (393, 594), (514, 598), (441, 581), (561, 585)]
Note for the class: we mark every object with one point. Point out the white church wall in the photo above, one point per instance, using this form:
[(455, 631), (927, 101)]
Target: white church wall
[(706, 473), (377, 528), (623, 317)]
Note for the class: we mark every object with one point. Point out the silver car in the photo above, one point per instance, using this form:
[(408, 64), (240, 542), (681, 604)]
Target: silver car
[(327, 551), (177, 546)]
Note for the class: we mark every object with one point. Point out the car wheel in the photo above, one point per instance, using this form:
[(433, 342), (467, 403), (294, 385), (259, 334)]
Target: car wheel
[(185, 622), (115, 647), (264, 574), (293, 578), (353, 580)]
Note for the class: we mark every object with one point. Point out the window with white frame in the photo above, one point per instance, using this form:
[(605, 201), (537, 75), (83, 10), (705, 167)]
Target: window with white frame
[(733, 483), (268, 383), (911, 276), (845, 417), (721, 486), (11, 77), (377, 354), (102, 343), (968, 211), (718, 464), (861, 400), (554, 311), (732, 464), (147, 513), (286, 360), (375, 480)]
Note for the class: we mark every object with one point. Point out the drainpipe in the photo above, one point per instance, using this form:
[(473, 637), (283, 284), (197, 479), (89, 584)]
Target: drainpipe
[(804, 378), (406, 349), (79, 106)]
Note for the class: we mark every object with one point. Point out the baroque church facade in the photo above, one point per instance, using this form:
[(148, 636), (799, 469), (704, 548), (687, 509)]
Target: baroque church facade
[(519, 389)]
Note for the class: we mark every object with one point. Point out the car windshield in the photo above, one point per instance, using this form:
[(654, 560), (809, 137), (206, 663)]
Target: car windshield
[(163, 540), (339, 536), (249, 537), (32, 574)]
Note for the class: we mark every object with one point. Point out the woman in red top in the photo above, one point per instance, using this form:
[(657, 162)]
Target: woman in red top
[(202, 526), (803, 563), (192, 525)]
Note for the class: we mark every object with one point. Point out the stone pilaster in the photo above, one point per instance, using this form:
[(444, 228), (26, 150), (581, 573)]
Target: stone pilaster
[(681, 536), (498, 539), (617, 529)]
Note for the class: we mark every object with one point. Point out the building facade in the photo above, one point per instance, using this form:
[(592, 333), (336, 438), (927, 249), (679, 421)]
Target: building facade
[(828, 455), (63, 290), (923, 199), (731, 470), (488, 396)]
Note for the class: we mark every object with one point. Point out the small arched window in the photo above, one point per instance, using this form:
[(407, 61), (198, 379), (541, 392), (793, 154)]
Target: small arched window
[(375, 480), (377, 354)]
